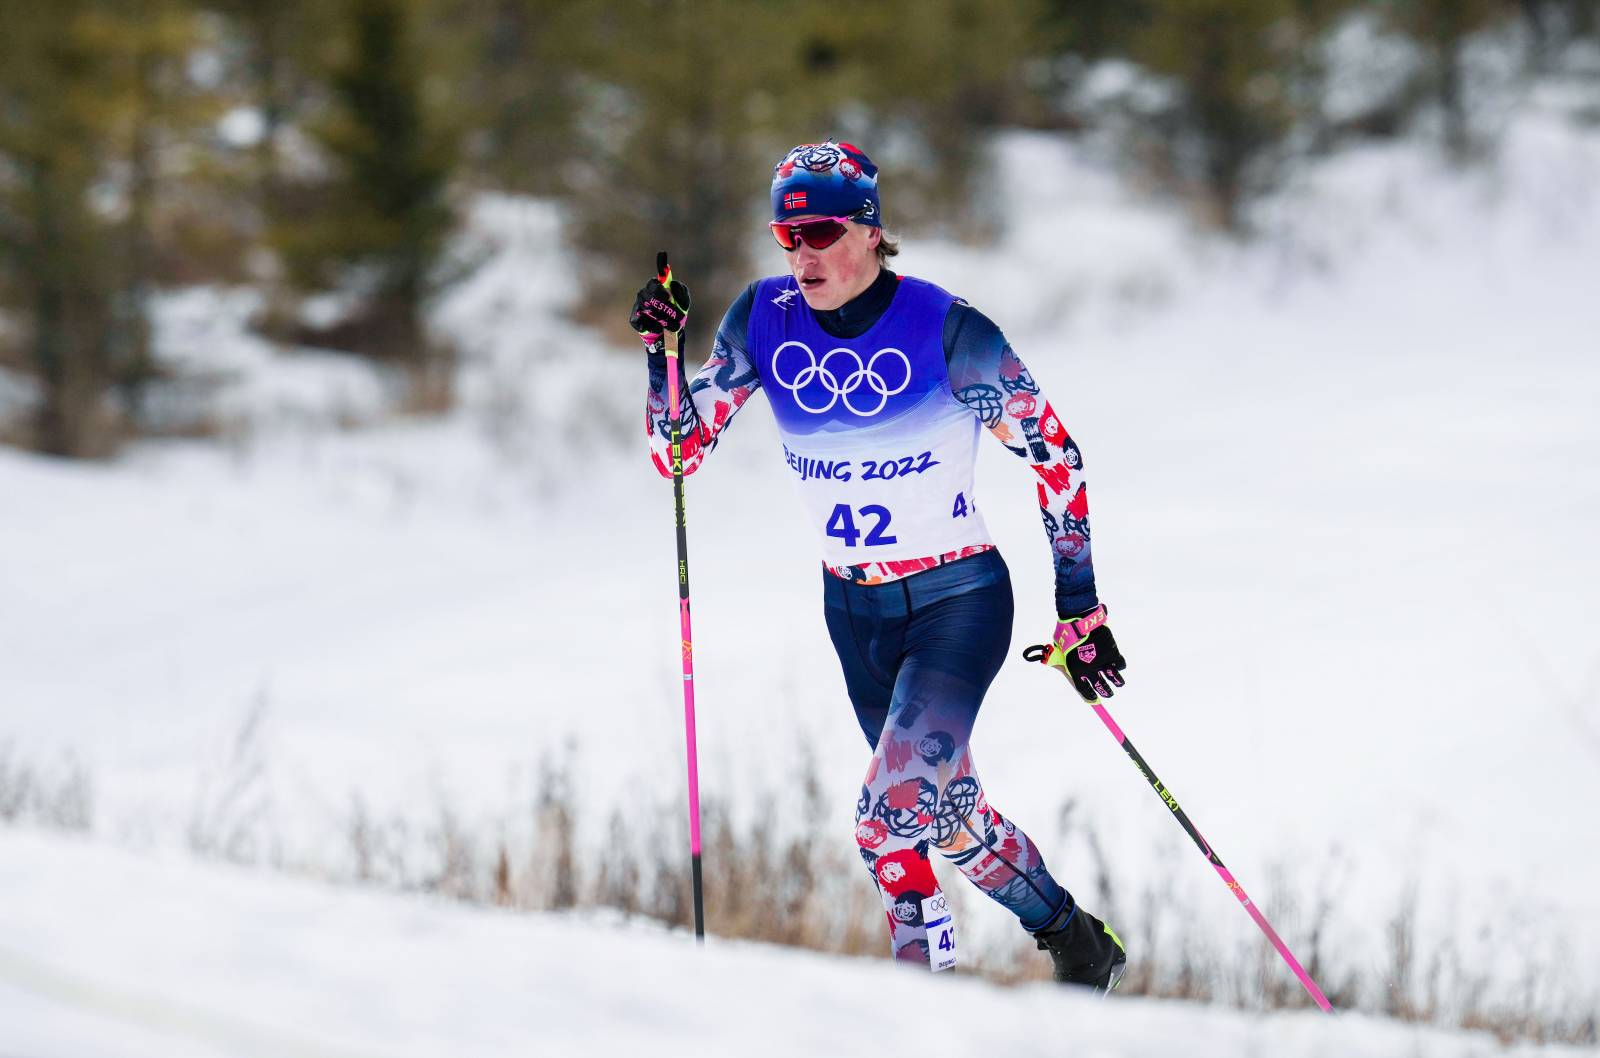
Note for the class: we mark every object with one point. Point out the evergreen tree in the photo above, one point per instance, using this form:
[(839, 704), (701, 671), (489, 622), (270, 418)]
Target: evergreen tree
[(374, 226), (276, 60), (521, 90), (1441, 28), (677, 148), (924, 84), (1093, 29), (95, 95), (1232, 63), (57, 249), (147, 46)]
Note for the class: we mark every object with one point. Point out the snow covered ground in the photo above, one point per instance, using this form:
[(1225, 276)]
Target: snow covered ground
[(1358, 452), (116, 955)]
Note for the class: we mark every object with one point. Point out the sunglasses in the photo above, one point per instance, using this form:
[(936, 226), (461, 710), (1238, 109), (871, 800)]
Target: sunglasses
[(818, 234)]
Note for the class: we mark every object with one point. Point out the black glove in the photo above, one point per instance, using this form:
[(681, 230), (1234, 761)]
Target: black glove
[(660, 306), (1086, 653)]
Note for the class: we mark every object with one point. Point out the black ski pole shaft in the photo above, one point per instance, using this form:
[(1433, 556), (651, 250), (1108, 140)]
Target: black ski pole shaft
[(674, 366)]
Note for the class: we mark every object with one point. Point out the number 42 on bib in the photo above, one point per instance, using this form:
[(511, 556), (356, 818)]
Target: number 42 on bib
[(842, 524)]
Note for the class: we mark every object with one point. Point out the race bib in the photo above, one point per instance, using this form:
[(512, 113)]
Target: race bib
[(880, 448), (941, 932)]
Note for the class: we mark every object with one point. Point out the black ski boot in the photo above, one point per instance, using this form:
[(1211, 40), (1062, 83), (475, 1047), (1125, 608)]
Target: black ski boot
[(1084, 949)]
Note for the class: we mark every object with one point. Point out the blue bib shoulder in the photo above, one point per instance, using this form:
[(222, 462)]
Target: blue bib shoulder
[(820, 383)]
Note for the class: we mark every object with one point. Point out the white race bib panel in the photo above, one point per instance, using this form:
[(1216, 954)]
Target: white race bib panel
[(941, 932), (879, 447)]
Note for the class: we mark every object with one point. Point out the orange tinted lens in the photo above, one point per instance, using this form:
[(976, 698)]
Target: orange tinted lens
[(817, 234), (820, 234)]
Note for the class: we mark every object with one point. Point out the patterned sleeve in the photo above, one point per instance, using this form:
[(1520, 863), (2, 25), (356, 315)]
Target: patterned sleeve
[(709, 403), (987, 376)]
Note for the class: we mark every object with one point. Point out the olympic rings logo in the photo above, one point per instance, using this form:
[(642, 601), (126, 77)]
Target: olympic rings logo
[(841, 378)]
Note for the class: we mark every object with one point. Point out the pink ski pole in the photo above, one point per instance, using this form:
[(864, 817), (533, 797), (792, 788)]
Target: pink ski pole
[(1042, 653), (674, 359)]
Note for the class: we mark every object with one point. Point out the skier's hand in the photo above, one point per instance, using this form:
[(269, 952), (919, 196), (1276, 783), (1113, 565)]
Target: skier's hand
[(1087, 655), (661, 305)]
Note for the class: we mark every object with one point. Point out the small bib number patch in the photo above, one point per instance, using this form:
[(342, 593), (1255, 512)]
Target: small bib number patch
[(941, 932)]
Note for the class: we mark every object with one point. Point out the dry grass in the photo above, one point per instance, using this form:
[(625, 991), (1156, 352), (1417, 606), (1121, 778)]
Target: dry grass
[(782, 877), (800, 884), (59, 797), (232, 805)]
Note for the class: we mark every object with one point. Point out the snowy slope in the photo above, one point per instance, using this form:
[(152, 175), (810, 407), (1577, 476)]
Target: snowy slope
[(1359, 450), (109, 954)]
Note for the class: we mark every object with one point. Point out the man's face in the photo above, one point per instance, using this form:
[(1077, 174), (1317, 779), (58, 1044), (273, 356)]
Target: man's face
[(828, 278)]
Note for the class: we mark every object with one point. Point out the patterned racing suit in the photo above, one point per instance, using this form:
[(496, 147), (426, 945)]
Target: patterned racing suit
[(882, 400)]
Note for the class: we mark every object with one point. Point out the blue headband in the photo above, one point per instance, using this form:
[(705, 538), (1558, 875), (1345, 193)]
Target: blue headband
[(826, 179)]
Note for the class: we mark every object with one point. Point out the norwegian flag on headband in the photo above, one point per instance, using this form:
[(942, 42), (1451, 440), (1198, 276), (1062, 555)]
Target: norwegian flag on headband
[(794, 200)]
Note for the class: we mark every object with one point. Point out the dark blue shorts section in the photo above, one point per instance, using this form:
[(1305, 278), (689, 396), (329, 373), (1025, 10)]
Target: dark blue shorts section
[(951, 624)]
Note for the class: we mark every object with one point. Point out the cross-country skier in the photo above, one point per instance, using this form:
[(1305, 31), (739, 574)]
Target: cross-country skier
[(880, 384)]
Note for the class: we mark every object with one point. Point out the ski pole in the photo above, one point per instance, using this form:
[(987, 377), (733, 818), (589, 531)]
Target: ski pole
[(1042, 653), (674, 359)]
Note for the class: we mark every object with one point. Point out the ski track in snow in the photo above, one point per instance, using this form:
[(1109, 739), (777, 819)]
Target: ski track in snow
[(116, 955)]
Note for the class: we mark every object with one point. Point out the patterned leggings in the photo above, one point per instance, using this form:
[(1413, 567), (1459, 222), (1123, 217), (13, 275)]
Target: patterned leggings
[(918, 655)]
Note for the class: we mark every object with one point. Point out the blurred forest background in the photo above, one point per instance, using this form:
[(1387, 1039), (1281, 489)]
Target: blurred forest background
[(321, 152)]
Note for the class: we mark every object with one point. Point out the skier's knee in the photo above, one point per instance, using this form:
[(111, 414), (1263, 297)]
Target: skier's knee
[(870, 837), (956, 818)]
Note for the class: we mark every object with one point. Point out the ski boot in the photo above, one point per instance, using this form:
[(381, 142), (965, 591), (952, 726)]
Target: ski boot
[(1084, 949)]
